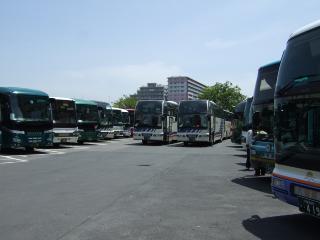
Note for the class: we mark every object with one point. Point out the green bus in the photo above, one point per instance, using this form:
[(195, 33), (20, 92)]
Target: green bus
[(87, 120), (25, 118)]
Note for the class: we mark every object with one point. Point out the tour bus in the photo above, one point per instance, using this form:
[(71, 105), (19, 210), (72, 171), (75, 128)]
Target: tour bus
[(118, 125), (64, 118), (131, 121), (237, 122), (199, 121), (246, 120), (227, 122), (262, 150), (155, 120), (25, 118), (88, 120), (296, 176), (126, 123), (105, 120)]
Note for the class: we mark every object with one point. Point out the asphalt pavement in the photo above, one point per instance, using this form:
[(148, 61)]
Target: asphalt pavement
[(121, 189)]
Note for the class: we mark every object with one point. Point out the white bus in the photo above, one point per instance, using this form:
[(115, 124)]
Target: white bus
[(64, 117), (155, 120), (228, 117), (105, 123), (199, 121), (118, 116)]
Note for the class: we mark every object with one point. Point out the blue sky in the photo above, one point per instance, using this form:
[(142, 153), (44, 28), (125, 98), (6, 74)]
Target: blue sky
[(102, 49)]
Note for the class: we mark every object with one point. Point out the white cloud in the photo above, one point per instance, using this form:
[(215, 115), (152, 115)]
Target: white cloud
[(108, 83)]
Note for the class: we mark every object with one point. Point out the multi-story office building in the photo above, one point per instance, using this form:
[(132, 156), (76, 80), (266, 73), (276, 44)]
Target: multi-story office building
[(183, 88), (152, 91)]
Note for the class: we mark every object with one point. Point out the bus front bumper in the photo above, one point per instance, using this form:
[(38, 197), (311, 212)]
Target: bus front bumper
[(18, 139), (281, 188), (88, 136), (187, 137), (147, 136), (70, 139)]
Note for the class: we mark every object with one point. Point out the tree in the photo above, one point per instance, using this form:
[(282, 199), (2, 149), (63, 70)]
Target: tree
[(126, 102), (225, 95)]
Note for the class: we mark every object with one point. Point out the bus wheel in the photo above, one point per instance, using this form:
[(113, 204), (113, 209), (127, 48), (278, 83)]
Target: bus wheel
[(144, 142), (185, 144), (29, 149)]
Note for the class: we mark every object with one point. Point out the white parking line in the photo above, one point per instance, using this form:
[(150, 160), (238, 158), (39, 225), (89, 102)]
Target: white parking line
[(12, 160), (50, 151)]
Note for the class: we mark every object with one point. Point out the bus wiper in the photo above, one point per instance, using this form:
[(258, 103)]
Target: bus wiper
[(296, 81)]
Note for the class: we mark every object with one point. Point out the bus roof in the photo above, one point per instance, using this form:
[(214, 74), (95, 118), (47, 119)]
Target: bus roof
[(269, 65), (18, 90), (85, 102), (62, 98), (240, 107), (121, 109), (306, 28), (103, 104)]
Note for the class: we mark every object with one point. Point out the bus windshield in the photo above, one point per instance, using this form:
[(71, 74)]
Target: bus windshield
[(193, 121), (300, 64), (297, 103), (246, 115), (298, 132), (63, 111), (148, 114), (149, 107), (193, 114), (193, 107), (262, 122), (125, 117), (30, 108), (266, 82), (87, 113), (105, 116), (117, 117)]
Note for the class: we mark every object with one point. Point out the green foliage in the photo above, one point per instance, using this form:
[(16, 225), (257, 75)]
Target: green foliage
[(126, 102), (226, 95)]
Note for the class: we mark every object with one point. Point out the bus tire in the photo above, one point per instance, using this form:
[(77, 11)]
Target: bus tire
[(185, 144), (144, 142)]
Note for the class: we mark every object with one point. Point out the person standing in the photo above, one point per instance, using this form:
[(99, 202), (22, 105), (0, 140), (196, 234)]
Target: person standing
[(248, 146)]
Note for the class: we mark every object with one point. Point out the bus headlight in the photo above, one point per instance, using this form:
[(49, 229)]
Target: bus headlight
[(16, 140), (278, 183), (16, 131)]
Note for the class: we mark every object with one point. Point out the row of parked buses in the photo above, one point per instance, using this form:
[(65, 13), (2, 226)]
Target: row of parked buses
[(30, 118), (188, 122), (285, 118)]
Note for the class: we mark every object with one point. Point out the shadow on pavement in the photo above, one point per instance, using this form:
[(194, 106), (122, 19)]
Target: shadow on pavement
[(262, 184), (149, 144), (8, 152), (191, 145), (240, 155), (234, 146), (57, 147), (297, 226)]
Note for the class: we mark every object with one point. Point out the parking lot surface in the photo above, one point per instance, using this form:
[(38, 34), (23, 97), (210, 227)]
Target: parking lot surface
[(121, 189)]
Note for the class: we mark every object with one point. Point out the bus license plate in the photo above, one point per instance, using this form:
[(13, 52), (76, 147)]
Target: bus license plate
[(309, 206), (146, 136), (192, 138)]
